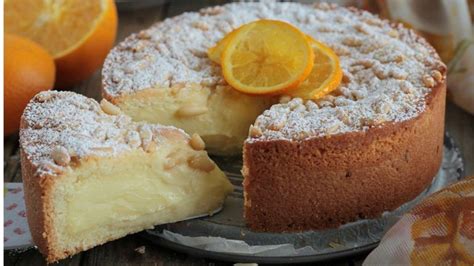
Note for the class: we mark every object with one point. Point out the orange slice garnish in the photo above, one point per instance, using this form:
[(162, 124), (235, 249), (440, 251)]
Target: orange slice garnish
[(215, 53), (325, 76), (267, 57)]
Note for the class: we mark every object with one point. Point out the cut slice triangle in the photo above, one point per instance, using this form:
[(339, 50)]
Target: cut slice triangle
[(92, 175)]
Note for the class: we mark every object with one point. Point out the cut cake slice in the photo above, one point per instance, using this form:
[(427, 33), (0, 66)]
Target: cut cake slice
[(91, 175)]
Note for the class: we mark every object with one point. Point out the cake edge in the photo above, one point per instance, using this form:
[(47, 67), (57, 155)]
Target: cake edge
[(436, 100)]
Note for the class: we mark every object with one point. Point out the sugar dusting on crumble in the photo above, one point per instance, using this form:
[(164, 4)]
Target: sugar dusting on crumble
[(78, 125), (387, 69)]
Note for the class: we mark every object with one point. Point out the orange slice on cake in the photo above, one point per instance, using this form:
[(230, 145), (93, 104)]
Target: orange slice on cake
[(215, 53), (325, 76), (267, 57)]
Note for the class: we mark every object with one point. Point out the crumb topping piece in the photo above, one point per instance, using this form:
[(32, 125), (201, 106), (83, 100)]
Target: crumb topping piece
[(61, 127)]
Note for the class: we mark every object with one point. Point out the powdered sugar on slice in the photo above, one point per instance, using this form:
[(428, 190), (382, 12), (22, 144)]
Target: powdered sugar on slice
[(77, 126)]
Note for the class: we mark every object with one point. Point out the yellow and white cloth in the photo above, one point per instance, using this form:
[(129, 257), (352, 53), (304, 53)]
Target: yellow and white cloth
[(438, 231)]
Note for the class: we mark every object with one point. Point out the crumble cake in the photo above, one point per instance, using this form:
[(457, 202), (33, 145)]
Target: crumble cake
[(91, 175), (371, 145)]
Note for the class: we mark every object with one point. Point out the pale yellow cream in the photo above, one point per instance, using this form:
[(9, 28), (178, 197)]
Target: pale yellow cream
[(138, 190), (222, 115)]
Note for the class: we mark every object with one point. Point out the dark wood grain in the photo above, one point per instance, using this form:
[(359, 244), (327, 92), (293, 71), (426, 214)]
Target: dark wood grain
[(12, 166), (122, 252), (10, 157), (10, 145), (33, 257), (460, 126)]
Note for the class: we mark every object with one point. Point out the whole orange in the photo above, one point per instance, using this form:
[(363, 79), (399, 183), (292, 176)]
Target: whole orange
[(27, 69), (77, 33)]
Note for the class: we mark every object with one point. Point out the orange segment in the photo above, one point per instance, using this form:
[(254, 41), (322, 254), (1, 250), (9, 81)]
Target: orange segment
[(267, 57), (215, 53), (77, 33), (325, 76)]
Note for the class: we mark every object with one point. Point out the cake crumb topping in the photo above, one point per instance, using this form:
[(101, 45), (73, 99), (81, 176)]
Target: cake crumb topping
[(388, 69), (62, 127)]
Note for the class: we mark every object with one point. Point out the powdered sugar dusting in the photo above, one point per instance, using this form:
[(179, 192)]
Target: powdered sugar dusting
[(384, 66), (75, 125)]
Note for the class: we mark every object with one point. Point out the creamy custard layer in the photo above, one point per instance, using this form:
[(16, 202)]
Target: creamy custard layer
[(221, 116), (136, 191)]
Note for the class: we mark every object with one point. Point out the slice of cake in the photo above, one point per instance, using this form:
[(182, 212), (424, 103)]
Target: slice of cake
[(91, 175)]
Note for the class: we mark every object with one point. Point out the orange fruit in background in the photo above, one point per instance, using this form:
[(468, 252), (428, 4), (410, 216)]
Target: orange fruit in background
[(27, 69), (77, 33)]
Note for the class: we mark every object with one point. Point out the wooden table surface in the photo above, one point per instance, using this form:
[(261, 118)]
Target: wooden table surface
[(458, 123)]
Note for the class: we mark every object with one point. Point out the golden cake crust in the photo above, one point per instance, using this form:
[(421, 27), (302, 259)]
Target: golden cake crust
[(328, 181), (38, 210)]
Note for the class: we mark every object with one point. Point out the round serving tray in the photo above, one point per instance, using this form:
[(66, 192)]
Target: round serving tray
[(225, 237)]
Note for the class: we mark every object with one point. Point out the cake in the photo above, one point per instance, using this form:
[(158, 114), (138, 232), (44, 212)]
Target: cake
[(368, 147), (91, 175)]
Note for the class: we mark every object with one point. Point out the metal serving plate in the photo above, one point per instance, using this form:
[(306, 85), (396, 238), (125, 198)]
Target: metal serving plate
[(224, 235)]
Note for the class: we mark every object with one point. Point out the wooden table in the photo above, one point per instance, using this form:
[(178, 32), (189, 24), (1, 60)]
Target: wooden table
[(458, 123)]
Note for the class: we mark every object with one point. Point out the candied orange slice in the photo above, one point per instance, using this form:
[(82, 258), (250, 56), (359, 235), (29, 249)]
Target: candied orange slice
[(215, 53), (325, 76), (267, 57)]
